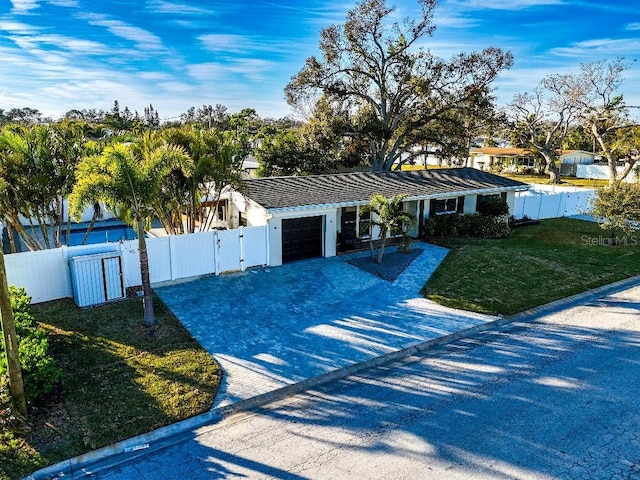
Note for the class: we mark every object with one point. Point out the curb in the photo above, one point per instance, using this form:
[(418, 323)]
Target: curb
[(134, 447)]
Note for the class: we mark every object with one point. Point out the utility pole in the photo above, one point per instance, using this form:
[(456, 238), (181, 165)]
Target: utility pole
[(16, 386)]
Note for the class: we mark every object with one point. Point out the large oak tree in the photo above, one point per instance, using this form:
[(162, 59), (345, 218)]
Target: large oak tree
[(401, 95), (605, 114), (542, 119)]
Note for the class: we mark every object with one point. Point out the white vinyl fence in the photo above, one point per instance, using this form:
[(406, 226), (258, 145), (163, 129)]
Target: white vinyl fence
[(550, 201), (46, 276), (602, 172)]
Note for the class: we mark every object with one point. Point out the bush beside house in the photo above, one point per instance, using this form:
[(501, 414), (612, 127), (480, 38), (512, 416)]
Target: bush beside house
[(489, 222)]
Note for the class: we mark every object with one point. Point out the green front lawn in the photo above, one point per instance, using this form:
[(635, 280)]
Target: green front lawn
[(534, 266), (120, 379)]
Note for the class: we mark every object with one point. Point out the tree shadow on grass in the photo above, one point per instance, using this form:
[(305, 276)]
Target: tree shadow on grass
[(120, 379)]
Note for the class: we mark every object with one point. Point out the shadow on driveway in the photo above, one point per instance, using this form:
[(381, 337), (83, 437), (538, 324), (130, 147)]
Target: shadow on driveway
[(275, 327)]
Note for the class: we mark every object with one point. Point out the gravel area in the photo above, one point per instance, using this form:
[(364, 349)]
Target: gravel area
[(393, 263)]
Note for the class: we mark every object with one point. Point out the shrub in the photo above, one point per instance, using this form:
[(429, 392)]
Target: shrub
[(39, 370), (493, 207), (465, 225)]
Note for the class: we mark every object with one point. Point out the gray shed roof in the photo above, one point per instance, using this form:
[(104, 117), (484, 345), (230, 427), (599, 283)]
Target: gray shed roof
[(288, 192)]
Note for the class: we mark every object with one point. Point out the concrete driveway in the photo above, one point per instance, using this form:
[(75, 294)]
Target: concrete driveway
[(275, 327)]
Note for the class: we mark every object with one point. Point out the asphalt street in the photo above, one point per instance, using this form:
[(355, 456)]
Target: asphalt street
[(552, 397)]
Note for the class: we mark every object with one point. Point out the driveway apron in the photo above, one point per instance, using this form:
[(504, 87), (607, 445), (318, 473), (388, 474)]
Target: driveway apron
[(269, 328)]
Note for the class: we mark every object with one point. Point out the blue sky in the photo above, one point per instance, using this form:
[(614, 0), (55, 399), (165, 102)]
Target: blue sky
[(56, 55)]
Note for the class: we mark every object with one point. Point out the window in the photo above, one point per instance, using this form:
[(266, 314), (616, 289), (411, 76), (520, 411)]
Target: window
[(443, 206), (352, 221), (222, 210)]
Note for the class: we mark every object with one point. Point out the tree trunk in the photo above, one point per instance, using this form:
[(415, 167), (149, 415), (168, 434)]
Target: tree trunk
[(96, 213), (12, 240), (611, 160), (16, 386), (383, 239), (613, 170), (147, 298), (628, 166), (550, 167)]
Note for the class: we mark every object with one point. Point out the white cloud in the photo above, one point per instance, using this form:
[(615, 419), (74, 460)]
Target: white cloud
[(252, 69), (329, 14), (24, 6), (176, 87), (174, 8), (70, 44), (599, 47), (143, 39), (633, 26), (447, 20), (219, 42), (205, 72), (65, 3), (246, 44), (503, 4), (17, 27)]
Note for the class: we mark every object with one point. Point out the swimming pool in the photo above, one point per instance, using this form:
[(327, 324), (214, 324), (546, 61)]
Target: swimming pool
[(114, 232)]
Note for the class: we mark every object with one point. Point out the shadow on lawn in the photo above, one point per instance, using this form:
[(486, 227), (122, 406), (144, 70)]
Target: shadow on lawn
[(120, 378)]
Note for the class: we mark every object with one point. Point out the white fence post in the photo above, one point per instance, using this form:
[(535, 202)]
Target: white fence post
[(242, 247), (216, 249)]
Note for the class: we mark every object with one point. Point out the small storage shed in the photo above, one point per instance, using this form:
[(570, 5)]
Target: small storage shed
[(97, 278)]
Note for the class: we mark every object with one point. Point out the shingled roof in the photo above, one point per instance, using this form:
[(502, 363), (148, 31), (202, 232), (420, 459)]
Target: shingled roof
[(288, 192)]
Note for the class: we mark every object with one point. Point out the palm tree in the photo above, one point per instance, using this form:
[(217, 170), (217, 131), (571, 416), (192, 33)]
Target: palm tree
[(37, 165), (390, 218), (97, 215), (127, 178), (216, 162)]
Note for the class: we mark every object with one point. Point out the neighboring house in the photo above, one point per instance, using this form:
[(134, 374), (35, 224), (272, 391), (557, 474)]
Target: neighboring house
[(250, 166), (503, 159), (570, 159), (521, 159), (318, 215)]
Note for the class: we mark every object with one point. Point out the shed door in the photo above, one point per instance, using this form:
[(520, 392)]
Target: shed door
[(302, 238)]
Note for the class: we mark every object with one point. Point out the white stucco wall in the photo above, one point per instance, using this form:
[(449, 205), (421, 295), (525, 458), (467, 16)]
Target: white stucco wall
[(275, 241), (511, 200), (257, 216), (330, 228), (577, 158)]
